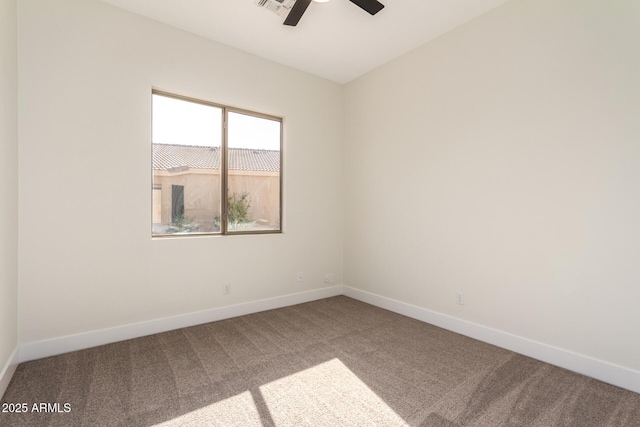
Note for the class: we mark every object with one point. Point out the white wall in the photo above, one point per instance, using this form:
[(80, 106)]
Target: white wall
[(502, 160), (8, 186), (87, 258)]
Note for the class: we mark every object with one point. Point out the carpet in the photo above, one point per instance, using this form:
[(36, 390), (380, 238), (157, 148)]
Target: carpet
[(332, 362)]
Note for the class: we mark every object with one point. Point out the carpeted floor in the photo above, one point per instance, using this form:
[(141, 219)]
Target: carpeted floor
[(333, 362)]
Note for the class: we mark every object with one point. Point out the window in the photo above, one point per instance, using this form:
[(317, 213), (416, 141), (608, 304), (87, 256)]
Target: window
[(216, 169), (177, 203), (157, 205)]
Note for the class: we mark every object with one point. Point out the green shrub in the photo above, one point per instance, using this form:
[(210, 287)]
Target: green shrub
[(238, 210), (183, 224)]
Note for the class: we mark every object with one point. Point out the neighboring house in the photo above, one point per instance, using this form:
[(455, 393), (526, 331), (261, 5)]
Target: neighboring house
[(186, 183)]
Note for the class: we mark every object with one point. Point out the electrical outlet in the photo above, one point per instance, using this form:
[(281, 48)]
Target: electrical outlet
[(328, 278), (227, 289), (459, 298), (300, 276)]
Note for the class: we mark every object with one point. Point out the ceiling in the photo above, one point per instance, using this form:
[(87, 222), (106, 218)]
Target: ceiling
[(335, 40)]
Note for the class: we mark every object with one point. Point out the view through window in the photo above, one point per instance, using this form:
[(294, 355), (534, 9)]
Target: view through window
[(211, 178)]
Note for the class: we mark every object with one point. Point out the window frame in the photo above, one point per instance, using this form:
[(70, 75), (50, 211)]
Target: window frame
[(224, 172)]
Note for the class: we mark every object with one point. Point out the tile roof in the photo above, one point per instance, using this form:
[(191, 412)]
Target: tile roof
[(174, 157)]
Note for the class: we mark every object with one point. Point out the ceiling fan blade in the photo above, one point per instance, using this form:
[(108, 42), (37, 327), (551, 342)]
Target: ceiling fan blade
[(296, 13), (371, 6)]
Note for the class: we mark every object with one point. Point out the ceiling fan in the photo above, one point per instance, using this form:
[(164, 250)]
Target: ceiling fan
[(298, 9), (294, 12)]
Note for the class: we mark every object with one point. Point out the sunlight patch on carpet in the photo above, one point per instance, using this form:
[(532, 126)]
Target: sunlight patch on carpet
[(238, 410), (327, 394)]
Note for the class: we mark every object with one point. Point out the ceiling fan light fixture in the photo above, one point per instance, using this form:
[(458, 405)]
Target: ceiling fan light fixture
[(300, 6)]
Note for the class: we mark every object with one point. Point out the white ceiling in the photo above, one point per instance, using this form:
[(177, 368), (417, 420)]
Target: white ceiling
[(335, 40)]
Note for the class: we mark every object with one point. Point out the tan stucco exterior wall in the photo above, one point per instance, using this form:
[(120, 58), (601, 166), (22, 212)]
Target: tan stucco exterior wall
[(202, 195)]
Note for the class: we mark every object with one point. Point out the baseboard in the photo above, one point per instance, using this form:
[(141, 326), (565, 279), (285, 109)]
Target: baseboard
[(51, 347), (607, 372), (7, 372)]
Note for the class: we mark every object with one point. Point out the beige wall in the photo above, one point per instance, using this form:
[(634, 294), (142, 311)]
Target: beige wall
[(263, 189), (507, 154), (8, 184), (87, 258), (202, 195)]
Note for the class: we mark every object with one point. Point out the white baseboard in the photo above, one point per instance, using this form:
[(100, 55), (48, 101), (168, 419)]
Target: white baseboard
[(7, 372), (607, 372), (51, 347)]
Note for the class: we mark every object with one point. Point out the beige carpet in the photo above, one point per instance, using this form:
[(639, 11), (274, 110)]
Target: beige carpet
[(334, 362)]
